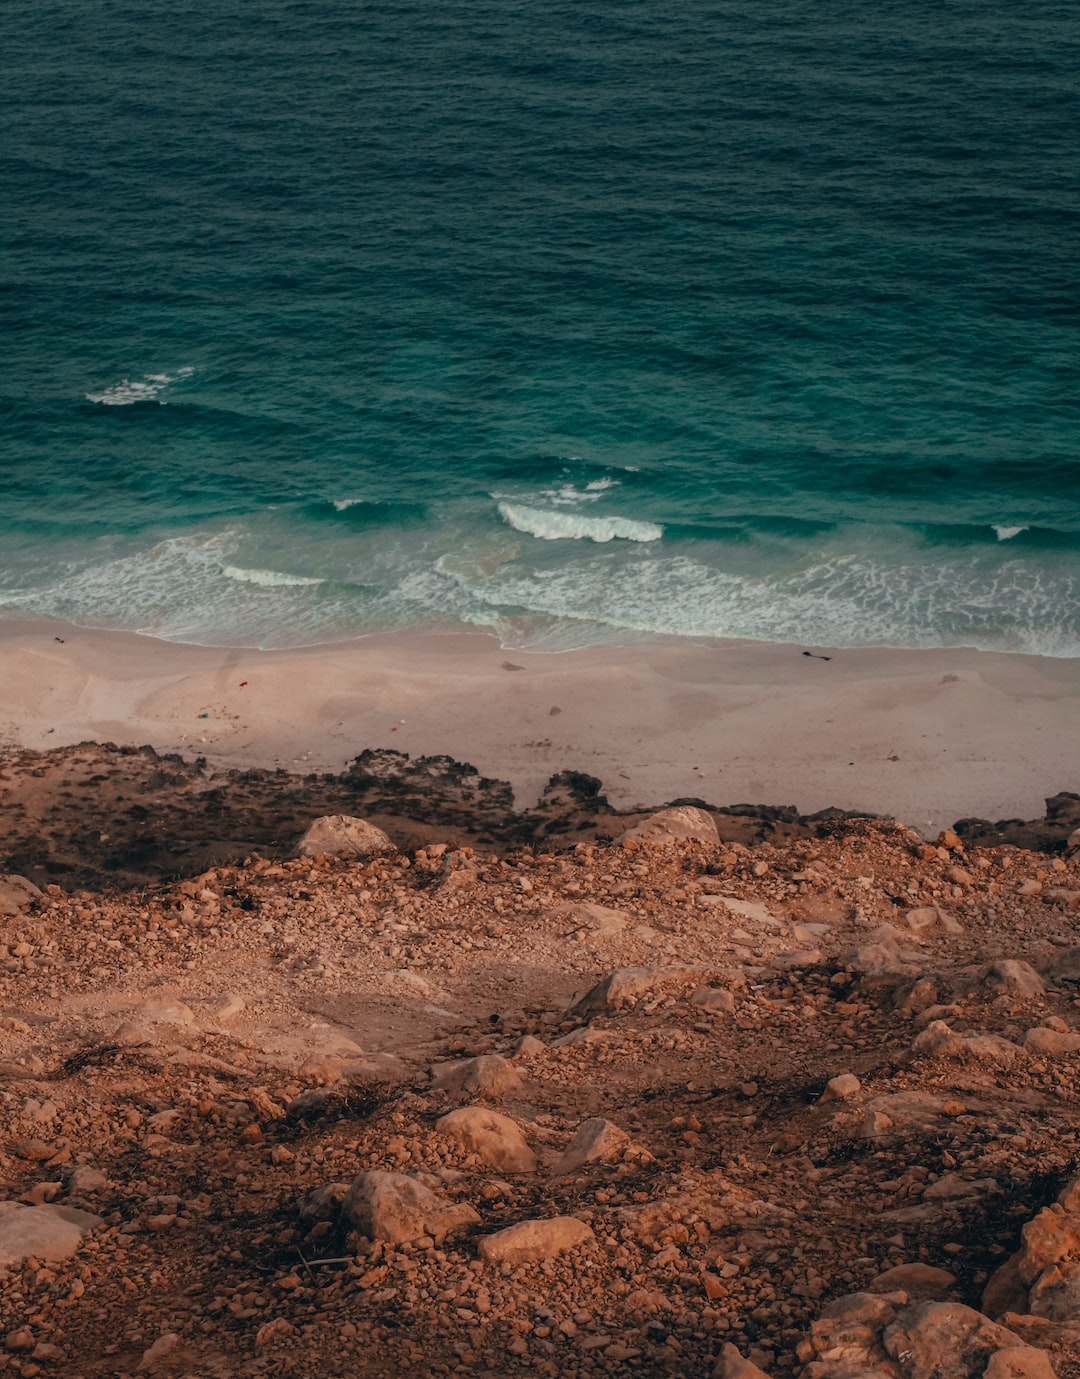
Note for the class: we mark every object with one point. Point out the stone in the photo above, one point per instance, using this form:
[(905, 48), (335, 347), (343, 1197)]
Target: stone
[(323, 1203), (529, 1240), (1069, 1196), (626, 986), (684, 823), (45, 1232), (229, 1008), (920, 996), (163, 1011), (841, 1088), (528, 1046), (717, 1000), (874, 1124), (1050, 1238), (340, 835), (795, 959), (161, 1353), (731, 1363), (396, 1208), (929, 919), (586, 1034), (1019, 1362), (495, 1139), (921, 1282), (488, 1075), (16, 892), (595, 1141), (1055, 1294), (1052, 1043), (83, 1180), (1007, 976), (1064, 966), (908, 1110), (944, 1340), (583, 917), (951, 1186), (861, 1309), (939, 1041), (1005, 1291)]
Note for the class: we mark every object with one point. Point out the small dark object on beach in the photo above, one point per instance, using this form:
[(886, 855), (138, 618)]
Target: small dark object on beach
[(59, 639), (816, 656)]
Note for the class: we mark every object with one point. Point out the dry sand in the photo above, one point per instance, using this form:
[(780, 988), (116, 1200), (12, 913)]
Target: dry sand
[(926, 736)]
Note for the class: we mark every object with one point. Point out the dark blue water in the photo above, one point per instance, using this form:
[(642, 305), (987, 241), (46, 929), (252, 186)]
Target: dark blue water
[(573, 321)]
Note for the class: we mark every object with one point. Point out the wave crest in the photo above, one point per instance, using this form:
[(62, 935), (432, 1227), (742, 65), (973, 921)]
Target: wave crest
[(146, 389), (560, 526), (270, 579)]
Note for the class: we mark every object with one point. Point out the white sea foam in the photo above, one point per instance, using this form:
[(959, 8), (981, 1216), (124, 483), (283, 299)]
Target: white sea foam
[(146, 389), (343, 504), (1007, 533), (569, 496), (842, 600), (269, 579), (557, 526)]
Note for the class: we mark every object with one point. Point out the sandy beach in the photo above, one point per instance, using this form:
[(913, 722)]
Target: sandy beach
[(926, 736)]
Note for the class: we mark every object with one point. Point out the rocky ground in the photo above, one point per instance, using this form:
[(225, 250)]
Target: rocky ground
[(665, 1105), (98, 815)]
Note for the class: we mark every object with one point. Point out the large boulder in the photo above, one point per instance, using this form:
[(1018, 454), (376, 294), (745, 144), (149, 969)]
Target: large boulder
[(595, 1141), (495, 1139), (47, 1233), (530, 1240), (939, 1041), (945, 1340), (1052, 1043), (340, 835), (488, 1075), (682, 823), (396, 1208)]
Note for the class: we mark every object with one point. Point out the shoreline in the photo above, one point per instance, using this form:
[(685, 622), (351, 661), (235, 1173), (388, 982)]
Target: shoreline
[(925, 736)]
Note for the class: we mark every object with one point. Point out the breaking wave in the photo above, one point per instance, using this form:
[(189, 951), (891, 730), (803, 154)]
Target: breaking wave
[(562, 526)]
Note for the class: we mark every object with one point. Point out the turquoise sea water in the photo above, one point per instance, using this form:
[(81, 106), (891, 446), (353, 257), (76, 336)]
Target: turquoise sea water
[(575, 321)]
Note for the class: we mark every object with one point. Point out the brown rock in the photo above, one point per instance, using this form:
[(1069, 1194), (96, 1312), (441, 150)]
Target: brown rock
[(682, 823), (944, 1340), (489, 1075), (1052, 1043), (45, 1232), (1008, 976), (1006, 1291), (939, 1041), (732, 1364), (595, 1140), (495, 1139), (841, 1088), (396, 1208), (1051, 1237), (529, 1240), (921, 1282), (340, 835), (15, 893), (1019, 1362), (627, 985)]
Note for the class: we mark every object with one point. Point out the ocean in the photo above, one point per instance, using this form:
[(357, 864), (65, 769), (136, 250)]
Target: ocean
[(580, 322)]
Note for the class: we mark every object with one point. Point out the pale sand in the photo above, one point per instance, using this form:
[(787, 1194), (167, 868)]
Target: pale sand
[(972, 733)]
